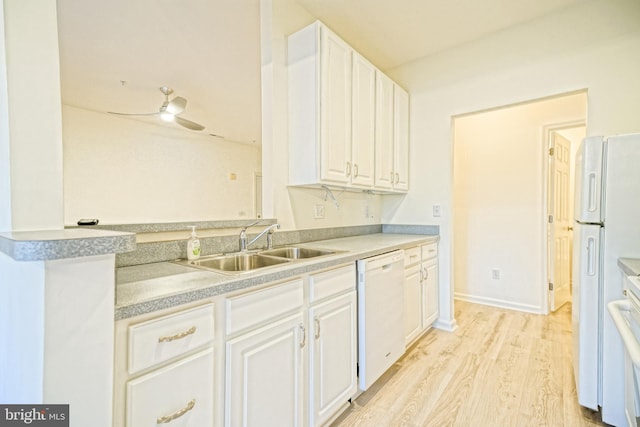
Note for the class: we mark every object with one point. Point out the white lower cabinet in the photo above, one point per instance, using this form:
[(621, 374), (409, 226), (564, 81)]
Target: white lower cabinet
[(333, 356), (430, 288), (296, 366), (264, 375), (412, 294), (164, 369), (180, 394), (421, 290)]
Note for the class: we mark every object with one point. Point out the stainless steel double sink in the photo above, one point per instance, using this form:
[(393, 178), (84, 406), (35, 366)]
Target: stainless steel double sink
[(242, 262)]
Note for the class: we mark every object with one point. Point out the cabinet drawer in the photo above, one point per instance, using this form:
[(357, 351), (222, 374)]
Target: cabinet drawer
[(178, 394), (411, 256), (429, 251), (254, 308), (332, 282), (158, 340)]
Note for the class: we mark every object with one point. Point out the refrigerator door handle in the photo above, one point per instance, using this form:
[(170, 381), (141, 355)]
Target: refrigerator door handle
[(591, 256), (593, 205)]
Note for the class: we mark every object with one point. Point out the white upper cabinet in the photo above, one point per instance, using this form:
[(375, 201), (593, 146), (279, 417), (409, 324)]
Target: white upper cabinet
[(333, 113), (391, 135), (400, 139), (335, 109), (363, 122)]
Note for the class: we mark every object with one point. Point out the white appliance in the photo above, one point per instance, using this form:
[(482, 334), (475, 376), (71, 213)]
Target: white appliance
[(607, 209), (626, 316), (380, 315)]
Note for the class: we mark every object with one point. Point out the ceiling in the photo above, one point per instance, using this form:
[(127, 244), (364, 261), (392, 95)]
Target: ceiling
[(114, 55), (393, 32), (188, 45)]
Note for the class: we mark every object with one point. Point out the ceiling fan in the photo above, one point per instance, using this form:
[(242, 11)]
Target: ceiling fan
[(169, 111)]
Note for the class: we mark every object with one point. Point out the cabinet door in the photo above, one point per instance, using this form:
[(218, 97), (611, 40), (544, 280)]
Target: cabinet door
[(264, 380), (363, 122), (401, 138), (430, 292), (384, 175), (335, 109), (412, 303), (333, 356)]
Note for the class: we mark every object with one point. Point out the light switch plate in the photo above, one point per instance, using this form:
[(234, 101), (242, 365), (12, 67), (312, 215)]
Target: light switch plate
[(319, 212)]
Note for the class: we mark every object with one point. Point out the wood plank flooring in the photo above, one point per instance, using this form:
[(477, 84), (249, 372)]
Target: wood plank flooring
[(499, 368)]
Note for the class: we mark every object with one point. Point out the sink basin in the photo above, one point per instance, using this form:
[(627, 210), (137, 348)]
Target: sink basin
[(292, 252), (236, 263)]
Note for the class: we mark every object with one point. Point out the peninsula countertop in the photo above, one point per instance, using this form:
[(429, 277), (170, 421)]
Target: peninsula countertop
[(146, 288)]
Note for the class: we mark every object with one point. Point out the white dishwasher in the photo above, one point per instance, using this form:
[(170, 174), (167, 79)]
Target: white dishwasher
[(380, 315)]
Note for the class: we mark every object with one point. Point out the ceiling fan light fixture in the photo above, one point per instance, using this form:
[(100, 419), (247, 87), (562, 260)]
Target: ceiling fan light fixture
[(167, 116)]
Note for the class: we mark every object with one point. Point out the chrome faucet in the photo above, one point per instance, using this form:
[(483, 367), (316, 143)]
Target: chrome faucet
[(269, 231)]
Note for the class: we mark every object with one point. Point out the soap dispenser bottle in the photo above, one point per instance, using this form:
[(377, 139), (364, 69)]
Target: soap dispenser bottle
[(193, 245)]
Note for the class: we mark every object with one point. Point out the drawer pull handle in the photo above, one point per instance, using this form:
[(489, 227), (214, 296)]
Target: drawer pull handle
[(168, 418), (317, 328), (190, 331)]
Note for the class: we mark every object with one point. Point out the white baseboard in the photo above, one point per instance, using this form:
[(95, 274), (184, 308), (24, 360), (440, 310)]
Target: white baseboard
[(498, 303), (445, 325)]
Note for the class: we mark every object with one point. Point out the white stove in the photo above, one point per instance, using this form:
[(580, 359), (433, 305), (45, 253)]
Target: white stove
[(626, 316)]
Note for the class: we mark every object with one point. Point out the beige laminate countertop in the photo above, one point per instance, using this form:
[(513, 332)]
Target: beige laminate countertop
[(146, 288)]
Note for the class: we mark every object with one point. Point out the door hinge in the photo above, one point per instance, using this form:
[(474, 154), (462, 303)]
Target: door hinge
[(550, 286), (551, 151), (550, 219)]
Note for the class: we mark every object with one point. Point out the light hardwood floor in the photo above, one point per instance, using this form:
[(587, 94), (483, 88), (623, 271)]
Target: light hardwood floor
[(499, 368)]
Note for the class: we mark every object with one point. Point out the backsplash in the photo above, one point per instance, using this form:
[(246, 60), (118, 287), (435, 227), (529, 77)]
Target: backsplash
[(150, 252)]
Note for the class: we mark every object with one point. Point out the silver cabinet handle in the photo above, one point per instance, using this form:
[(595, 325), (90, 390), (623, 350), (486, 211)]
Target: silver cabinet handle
[(178, 336), (348, 171), (317, 328), (397, 177), (355, 170), (425, 274), (304, 336), (168, 418)]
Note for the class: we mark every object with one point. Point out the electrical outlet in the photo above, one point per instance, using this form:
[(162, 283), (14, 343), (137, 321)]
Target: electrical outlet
[(495, 274), (436, 210), (319, 212)]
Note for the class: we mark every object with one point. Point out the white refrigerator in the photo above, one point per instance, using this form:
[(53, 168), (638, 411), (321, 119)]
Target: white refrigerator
[(606, 227)]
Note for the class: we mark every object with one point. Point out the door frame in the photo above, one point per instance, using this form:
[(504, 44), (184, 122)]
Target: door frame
[(547, 130)]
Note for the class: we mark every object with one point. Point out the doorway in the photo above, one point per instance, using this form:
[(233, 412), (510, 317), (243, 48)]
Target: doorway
[(500, 191), (563, 141)]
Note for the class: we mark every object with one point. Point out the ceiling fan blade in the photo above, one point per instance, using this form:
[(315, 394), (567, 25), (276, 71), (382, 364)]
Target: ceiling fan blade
[(176, 105), (188, 124), (133, 114)]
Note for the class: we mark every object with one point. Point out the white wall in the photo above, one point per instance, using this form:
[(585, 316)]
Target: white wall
[(294, 207), (499, 207), (121, 170), (593, 45), (31, 138)]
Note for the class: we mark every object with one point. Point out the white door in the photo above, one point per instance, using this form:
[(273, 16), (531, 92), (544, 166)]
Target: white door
[(335, 114), (412, 302), (430, 281), (401, 138), (363, 124), (264, 378), (333, 356), (560, 221), (384, 175)]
